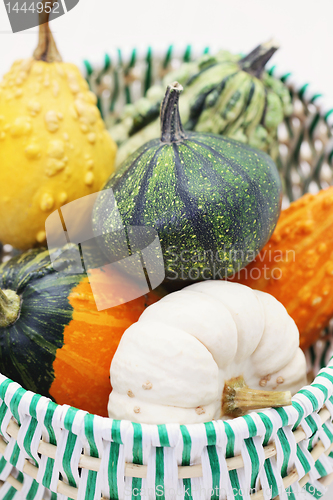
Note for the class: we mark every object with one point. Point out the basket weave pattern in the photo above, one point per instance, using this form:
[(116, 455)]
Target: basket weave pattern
[(48, 451), (97, 457)]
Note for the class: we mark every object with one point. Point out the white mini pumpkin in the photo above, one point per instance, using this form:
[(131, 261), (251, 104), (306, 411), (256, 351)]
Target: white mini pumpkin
[(193, 355)]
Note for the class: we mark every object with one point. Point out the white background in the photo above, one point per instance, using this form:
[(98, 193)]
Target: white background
[(304, 29)]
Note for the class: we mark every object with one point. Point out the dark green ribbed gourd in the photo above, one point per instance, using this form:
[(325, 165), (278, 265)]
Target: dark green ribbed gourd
[(213, 201), (33, 314)]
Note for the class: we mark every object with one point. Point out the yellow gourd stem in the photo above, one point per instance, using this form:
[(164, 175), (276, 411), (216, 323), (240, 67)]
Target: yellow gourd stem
[(9, 307), (238, 398), (46, 50)]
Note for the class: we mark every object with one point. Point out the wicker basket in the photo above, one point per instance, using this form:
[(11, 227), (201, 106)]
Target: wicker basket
[(52, 451)]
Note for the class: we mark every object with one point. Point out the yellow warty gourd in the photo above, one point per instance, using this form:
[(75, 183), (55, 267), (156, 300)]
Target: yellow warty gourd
[(54, 147)]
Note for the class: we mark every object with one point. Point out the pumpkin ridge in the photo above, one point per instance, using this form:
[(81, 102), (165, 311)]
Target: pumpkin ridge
[(203, 229), (203, 70), (245, 176), (255, 190), (244, 146), (212, 172), (40, 340), (262, 121), (44, 268), (238, 88), (137, 214), (19, 367), (11, 279), (196, 109), (251, 94), (201, 135), (117, 176), (85, 317), (242, 111), (214, 176), (252, 117)]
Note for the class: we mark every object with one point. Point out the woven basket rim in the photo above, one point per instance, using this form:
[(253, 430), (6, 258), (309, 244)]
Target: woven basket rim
[(304, 397), (308, 400)]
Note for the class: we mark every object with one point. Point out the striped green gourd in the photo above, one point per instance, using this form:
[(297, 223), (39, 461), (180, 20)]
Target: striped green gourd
[(223, 95), (213, 201), (137, 115)]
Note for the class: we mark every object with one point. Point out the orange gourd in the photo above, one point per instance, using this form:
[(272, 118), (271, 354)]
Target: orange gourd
[(82, 365), (296, 265)]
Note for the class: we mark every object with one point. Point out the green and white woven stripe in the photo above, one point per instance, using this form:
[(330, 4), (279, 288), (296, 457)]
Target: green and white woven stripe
[(162, 449)]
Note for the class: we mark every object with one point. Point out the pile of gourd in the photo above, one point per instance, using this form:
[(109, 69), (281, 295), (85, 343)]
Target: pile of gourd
[(214, 202), (223, 94)]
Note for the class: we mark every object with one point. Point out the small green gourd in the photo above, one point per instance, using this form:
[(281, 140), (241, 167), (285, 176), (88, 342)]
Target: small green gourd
[(223, 95), (213, 201)]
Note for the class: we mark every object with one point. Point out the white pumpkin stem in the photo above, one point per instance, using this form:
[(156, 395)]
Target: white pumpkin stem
[(46, 50), (171, 125), (254, 63), (9, 307), (238, 398)]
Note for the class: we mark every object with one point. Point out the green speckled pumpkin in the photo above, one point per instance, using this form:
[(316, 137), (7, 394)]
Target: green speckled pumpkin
[(213, 201)]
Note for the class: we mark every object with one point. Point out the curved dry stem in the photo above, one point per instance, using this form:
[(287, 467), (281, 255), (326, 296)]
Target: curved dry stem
[(238, 398), (46, 49)]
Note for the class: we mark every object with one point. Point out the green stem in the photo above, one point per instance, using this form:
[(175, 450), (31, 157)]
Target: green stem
[(9, 307), (238, 398), (171, 125), (254, 63)]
